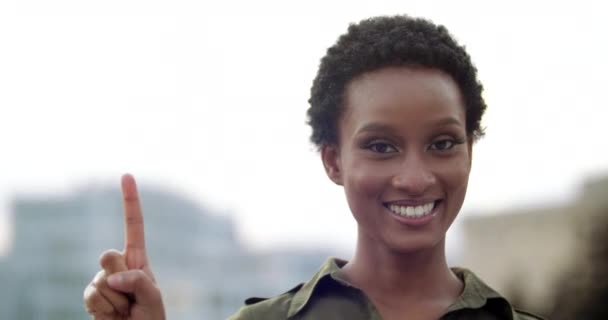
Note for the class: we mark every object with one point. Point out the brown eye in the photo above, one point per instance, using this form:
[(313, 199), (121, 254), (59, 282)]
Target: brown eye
[(381, 147), (442, 145)]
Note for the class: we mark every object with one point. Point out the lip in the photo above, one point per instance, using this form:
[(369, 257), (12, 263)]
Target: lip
[(417, 221), (411, 202)]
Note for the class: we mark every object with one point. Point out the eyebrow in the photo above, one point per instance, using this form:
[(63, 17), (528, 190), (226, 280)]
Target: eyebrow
[(375, 126), (448, 121)]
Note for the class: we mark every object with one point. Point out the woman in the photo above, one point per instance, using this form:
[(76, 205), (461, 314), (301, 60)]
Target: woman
[(395, 109)]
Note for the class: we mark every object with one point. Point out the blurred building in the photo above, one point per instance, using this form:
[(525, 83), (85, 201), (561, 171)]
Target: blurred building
[(202, 269), (525, 253)]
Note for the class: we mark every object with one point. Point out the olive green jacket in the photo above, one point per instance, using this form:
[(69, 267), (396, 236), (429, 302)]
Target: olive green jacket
[(326, 296)]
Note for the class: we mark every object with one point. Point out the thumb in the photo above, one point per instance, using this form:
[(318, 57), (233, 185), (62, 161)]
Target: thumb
[(138, 283)]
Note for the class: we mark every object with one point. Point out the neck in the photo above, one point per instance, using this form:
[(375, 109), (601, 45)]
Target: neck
[(422, 274)]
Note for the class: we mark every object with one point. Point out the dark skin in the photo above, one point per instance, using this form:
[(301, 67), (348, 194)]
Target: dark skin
[(402, 143), (403, 159), (131, 291), (402, 288)]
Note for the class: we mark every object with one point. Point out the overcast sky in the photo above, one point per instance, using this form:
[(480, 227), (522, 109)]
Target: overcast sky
[(209, 100)]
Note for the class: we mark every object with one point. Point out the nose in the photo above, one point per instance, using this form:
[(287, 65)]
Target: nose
[(414, 176)]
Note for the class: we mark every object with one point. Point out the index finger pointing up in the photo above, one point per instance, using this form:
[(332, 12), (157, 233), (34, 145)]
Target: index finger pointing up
[(135, 245)]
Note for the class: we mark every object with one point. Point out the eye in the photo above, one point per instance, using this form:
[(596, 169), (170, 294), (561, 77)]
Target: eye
[(381, 147), (443, 145)]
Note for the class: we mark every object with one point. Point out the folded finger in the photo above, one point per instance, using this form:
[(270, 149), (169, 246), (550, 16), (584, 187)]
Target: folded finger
[(113, 261), (95, 303), (138, 283), (118, 300)]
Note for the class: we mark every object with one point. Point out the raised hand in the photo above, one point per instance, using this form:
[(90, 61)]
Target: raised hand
[(125, 287)]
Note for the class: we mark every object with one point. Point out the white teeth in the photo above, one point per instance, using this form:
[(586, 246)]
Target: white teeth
[(412, 211)]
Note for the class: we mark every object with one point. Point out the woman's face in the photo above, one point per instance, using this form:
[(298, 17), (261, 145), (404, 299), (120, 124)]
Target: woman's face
[(403, 156)]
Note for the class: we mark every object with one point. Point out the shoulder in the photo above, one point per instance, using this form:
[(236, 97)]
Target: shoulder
[(477, 295), (523, 315), (266, 308), (289, 303)]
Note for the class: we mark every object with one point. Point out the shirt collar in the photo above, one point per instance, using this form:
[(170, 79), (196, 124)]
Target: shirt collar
[(300, 299), (475, 294)]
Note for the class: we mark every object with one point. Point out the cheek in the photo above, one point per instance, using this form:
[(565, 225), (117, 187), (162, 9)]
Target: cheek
[(456, 178), (459, 176), (360, 185), (363, 185)]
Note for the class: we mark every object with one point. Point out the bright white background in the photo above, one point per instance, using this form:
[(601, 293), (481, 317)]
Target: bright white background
[(209, 99)]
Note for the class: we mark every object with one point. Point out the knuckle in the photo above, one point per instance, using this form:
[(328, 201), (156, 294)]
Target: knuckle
[(99, 279), (94, 300), (140, 276), (140, 279), (117, 300), (88, 291), (109, 258), (135, 246), (134, 220), (121, 305), (131, 197)]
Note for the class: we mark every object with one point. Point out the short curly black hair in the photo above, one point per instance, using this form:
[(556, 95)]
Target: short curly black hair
[(386, 41)]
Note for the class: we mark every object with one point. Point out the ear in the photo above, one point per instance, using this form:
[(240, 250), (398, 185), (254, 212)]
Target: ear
[(330, 155)]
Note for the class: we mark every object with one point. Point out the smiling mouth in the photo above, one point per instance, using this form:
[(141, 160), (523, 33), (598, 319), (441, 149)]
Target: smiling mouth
[(413, 211)]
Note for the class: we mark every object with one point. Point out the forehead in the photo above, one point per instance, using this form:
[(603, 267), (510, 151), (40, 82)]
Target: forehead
[(403, 93)]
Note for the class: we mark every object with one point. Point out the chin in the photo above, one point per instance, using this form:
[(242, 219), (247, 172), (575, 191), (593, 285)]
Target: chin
[(415, 244)]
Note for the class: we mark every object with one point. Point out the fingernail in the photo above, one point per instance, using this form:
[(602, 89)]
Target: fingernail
[(114, 280)]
